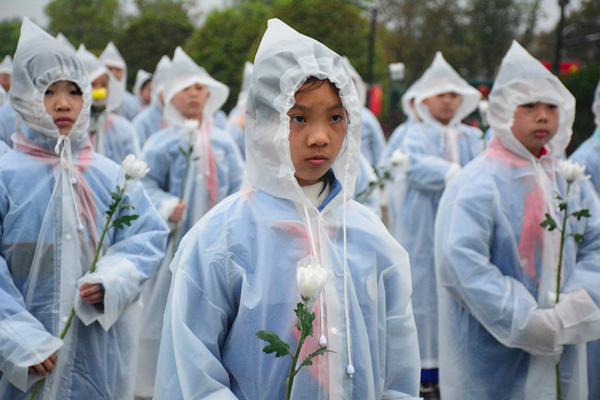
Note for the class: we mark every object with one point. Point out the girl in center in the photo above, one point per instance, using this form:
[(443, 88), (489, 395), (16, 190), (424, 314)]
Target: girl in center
[(235, 271)]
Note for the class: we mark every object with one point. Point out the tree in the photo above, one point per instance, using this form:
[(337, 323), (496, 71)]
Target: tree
[(161, 26), (9, 37), (226, 40), (230, 37), (92, 22)]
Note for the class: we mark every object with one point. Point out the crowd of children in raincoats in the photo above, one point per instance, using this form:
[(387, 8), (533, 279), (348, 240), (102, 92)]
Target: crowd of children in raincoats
[(484, 283)]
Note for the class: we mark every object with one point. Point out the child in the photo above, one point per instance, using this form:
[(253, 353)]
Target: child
[(142, 89), (8, 115), (237, 116), (5, 72), (588, 154), (54, 192), (112, 59), (397, 136), (151, 120), (438, 147), (112, 135), (501, 335), (235, 272), (183, 191)]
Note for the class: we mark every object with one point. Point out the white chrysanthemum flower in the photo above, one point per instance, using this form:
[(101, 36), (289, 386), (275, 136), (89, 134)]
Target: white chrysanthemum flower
[(572, 171), (190, 126), (399, 158), (134, 168), (311, 280)]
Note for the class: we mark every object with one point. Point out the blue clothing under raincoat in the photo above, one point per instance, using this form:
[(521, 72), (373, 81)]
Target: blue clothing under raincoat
[(54, 192), (436, 154), (238, 265), (500, 333)]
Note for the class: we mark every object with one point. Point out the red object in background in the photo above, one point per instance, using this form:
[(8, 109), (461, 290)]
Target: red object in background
[(376, 100), (566, 67)]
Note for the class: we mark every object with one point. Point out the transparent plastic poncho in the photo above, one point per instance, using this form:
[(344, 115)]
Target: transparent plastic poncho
[(55, 191), (239, 263), (497, 266)]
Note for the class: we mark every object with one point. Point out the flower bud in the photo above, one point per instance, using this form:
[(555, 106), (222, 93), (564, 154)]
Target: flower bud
[(311, 279)]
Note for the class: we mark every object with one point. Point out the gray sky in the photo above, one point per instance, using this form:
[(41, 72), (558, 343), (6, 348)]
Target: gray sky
[(34, 9)]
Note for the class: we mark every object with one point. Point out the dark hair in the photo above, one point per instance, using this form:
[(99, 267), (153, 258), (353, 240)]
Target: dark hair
[(312, 83), (146, 83)]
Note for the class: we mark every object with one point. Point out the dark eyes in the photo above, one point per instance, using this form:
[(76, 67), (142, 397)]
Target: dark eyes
[(297, 119)]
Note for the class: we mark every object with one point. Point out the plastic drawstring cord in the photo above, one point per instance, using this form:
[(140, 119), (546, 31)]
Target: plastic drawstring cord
[(350, 368)]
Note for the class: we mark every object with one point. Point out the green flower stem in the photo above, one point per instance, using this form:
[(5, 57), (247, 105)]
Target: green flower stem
[(107, 225), (293, 370), (558, 275)]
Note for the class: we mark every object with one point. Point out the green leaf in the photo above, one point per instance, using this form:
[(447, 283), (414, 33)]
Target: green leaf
[(305, 320), (125, 220), (308, 360), (562, 206), (276, 345), (578, 237), (549, 223), (584, 213)]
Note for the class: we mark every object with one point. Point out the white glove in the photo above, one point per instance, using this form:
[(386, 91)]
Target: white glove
[(453, 172), (579, 317)]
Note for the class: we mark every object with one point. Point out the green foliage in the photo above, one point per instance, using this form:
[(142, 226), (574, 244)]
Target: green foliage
[(578, 237), (230, 37), (584, 213), (9, 37), (224, 43), (319, 352), (549, 223), (276, 345), (161, 26), (125, 220), (304, 323), (93, 22)]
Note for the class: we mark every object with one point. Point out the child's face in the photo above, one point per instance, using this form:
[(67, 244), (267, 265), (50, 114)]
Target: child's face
[(443, 106), (101, 82), (146, 93), (318, 123), (190, 101), (535, 125), (117, 72), (5, 82), (63, 101)]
